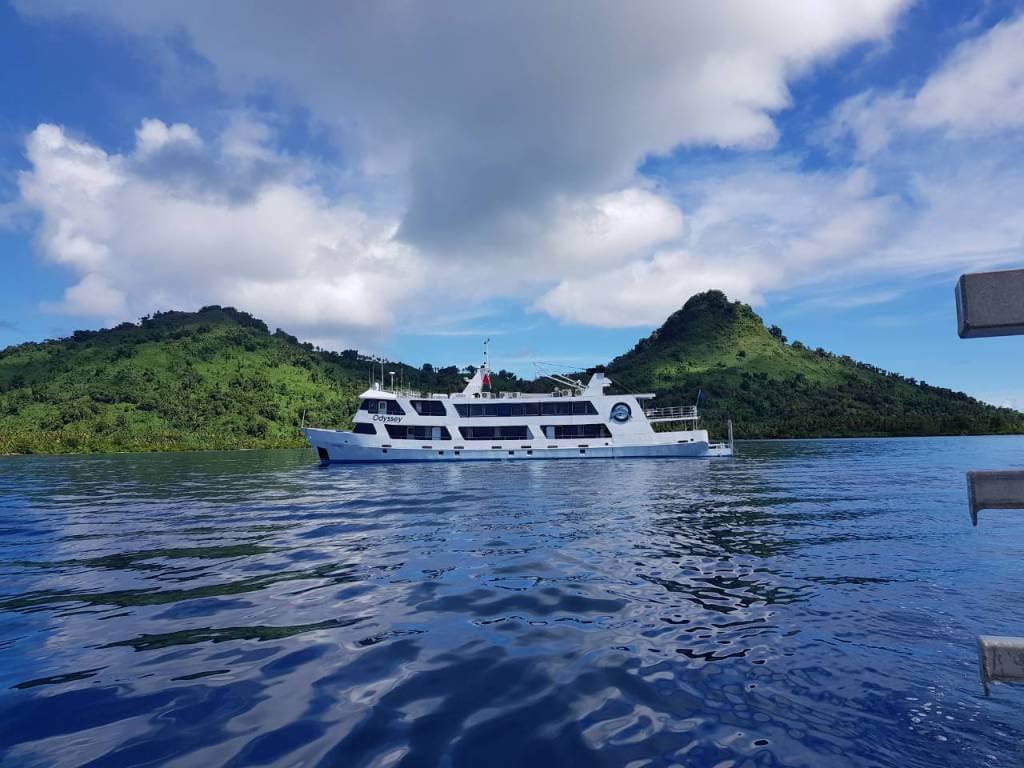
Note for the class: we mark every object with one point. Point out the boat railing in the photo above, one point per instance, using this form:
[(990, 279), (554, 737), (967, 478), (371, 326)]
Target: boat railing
[(508, 395), (673, 413), (486, 395)]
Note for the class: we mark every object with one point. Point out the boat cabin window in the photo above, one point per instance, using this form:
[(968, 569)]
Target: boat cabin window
[(428, 407), (390, 407), (500, 410), (406, 432), (365, 429), (571, 431), (496, 433)]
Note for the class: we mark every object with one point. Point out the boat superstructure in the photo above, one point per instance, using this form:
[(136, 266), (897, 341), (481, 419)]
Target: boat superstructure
[(573, 420)]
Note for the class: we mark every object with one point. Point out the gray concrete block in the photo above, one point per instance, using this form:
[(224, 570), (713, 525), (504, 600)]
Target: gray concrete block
[(990, 304), (998, 489), (1001, 659)]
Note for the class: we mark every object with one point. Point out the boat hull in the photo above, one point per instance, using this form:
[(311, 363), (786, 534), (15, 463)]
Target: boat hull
[(337, 447)]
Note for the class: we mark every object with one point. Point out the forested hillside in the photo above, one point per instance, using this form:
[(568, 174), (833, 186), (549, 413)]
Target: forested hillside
[(773, 388), (218, 378)]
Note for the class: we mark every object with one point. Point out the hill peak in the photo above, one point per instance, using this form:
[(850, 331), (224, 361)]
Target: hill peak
[(705, 315), (212, 313), (713, 308), (166, 322)]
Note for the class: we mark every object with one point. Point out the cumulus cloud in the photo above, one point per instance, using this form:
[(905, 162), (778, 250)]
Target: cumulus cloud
[(980, 89), (514, 139), (753, 229), (138, 242), (951, 151), (646, 291), (162, 226), (589, 234), (74, 183), (920, 197), (977, 91), (494, 115), (155, 136), (92, 295)]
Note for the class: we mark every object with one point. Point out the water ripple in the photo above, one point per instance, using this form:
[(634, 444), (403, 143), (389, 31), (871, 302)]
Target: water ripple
[(811, 603)]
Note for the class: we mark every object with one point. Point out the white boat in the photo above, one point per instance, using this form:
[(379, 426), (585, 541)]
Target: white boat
[(573, 421)]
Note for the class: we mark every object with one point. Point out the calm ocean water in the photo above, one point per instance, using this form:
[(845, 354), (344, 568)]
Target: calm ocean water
[(810, 603)]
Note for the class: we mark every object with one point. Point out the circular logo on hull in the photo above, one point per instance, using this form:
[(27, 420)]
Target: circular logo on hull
[(621, 412)]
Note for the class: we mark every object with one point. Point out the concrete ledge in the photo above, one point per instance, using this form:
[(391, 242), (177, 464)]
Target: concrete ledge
[(999, 489), (1001, 659), (990, 304)]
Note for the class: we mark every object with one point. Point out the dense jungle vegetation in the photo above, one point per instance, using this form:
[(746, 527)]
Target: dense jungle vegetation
[(772, 388), (219, 379)]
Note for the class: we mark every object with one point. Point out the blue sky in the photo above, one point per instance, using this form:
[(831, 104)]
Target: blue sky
[(408, 181)]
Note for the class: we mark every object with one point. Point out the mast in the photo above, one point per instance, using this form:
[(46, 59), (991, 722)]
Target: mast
[(481, 379), (487, 363)]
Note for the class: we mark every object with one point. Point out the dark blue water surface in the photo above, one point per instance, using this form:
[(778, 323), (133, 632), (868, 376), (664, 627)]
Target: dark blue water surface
[(810, 603)]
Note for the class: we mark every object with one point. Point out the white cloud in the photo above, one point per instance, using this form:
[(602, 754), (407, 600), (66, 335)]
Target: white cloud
[(284, 252), (978, 91), (646, 291), (589, 234), (951, 151), (155, 135), (515, 139), (92, 295), (142, 237), (766, 226), (75, 182), (496, 117)]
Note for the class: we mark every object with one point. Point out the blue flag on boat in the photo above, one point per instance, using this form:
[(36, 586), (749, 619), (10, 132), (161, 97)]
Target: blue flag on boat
[(700, 395)]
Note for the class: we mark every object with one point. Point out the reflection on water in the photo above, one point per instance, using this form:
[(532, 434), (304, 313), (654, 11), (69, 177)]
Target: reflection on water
[(809, 603)]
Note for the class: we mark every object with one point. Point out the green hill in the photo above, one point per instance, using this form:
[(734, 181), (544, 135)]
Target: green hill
[(218, 378), (211, 379), (771, 388)]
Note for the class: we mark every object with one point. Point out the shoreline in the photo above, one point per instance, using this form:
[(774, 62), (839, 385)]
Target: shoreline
[(305, 446)]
